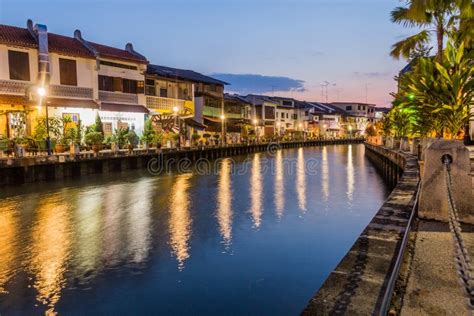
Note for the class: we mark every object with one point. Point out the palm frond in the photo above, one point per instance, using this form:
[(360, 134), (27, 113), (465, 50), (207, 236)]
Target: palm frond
[(401, 15), (404, 47)]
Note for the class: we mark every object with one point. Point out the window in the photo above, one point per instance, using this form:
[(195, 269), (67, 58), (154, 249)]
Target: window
[(287, 103), (19, 65), (358, 107), (129, 86), (295, 116), (286, 115), (150, 87), (163, 92), (306, 113), (106, 83), (269, 112), (349, 108), (107, 127), (67, 72)]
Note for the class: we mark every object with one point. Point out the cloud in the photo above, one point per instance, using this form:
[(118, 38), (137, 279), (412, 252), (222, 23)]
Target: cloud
[(373, 75), (253, 83)]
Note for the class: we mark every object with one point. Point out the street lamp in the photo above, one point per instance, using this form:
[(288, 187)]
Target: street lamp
[(255, 125), (223, 129), (175, 111), (42, 94)]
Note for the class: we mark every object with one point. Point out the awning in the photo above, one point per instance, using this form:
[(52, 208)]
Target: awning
[(194, 123), (118, 107), (72, 103), (13, 99), (212, 119)]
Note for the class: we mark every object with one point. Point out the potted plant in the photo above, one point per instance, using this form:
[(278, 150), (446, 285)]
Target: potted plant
[(148, 134), (157, 140), (94, 139), (21, 143), (206, 137), (195, 137), (132, 140)]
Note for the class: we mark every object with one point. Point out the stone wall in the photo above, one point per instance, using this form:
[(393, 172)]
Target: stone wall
[(362, 282)]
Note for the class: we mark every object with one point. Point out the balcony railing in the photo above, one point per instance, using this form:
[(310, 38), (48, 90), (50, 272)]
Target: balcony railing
[(164, 104), (13, 87), (108, 96), (70, 92)]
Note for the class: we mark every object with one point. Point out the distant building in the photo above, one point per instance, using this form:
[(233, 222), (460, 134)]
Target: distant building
[(264, 114), (359, 115)]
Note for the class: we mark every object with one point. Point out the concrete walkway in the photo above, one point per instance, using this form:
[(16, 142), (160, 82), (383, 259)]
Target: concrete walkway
[(433, 286)]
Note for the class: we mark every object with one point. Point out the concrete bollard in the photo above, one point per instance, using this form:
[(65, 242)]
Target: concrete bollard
[(433, 196)]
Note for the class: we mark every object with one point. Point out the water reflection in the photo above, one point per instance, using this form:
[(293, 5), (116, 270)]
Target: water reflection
[(256, 188), (301, 180), (325, 174), (180, 220), (139, 221), (50, 250), (87, 243), (8, 231), (279, 194), (224, 202), (114, 197), (350, 175)]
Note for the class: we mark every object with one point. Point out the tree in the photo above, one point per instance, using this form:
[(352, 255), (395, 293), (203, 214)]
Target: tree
[(433, 16), (148, 132), (98, 124), (439, 95)]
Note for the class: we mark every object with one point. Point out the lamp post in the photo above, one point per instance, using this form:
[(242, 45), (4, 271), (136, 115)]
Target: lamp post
[(223, 129), (255, 125), (42, 93), (175, 111)]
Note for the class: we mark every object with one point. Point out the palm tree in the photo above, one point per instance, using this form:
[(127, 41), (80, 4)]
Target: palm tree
[(433, 16)]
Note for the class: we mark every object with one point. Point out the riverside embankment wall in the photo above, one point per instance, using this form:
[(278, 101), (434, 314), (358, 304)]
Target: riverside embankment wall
[(362, 282), (15, 171)]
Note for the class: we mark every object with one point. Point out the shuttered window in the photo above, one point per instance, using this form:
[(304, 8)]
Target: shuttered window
[(117, 84), (106, 83), (67, 72), (129, 86), (19, 65)]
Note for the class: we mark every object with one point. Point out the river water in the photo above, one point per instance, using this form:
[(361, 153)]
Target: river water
[(257, 235)]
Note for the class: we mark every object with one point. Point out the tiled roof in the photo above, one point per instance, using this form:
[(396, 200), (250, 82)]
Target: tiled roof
[(67, 46), (236, 98), (116, 53), (182, 74), (12, 35)]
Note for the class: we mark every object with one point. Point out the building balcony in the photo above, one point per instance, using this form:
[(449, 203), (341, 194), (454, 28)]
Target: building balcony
[(165, 105), (70, 92), (14, 87), (118, 97)]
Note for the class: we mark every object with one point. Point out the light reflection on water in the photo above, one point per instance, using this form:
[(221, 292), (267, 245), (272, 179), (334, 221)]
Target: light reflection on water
[(260, 242), (224, 202)]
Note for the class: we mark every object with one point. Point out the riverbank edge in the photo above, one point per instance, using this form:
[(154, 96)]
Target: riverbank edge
[(17, 171), (359, 283)]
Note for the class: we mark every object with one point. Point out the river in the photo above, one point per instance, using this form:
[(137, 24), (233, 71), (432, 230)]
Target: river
[(257, 235)]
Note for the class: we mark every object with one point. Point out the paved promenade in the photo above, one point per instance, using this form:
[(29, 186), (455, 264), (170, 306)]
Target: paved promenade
[(431, 282)]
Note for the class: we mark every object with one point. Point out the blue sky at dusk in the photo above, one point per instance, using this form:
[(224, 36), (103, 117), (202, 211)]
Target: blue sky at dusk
[(286, 46)]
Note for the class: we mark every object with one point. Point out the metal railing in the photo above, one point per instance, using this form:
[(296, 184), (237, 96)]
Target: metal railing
[(387, 298), (461, 256)]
